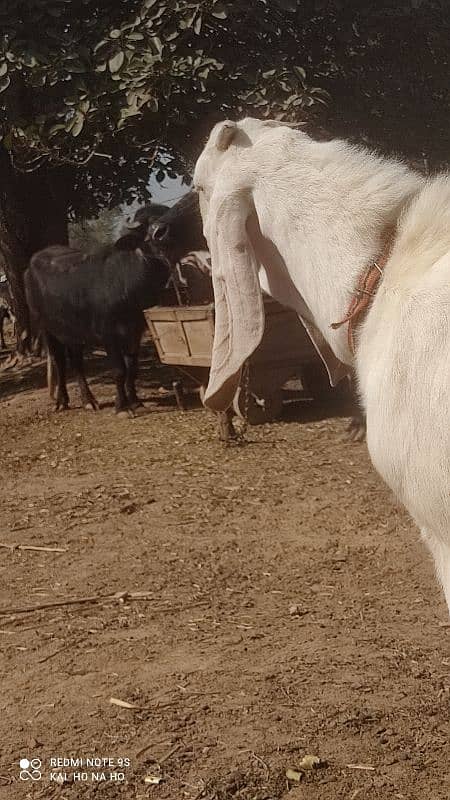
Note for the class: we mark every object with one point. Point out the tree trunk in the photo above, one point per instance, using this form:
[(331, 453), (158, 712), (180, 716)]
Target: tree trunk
[(33, 214)]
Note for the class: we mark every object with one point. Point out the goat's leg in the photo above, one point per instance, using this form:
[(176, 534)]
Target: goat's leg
[(87, 398), (2, 335), (356, 428), (57, 353), (119, 369), (227, 430), (441, 554)]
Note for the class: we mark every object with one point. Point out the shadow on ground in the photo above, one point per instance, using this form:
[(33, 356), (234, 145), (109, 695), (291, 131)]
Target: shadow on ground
[(156, 386)]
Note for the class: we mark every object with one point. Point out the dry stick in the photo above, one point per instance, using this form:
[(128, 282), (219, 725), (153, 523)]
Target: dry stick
[(55, 653), (34, 547), (128, 596), (168, 755), (259, 759), (361, 766), (78, 601)]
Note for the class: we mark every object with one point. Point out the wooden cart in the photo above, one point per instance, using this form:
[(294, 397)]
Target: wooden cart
[(183, 336)]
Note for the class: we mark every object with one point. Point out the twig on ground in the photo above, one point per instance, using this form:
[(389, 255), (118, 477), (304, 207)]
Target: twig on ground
[(124, 704), (33, 547), (79, 601), (47, 658), (260, 761), (170, 753), (114, 701), (360, 766)]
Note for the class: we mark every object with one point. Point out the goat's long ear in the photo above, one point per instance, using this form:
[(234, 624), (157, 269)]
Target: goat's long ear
[(225, 134), (239, 324)]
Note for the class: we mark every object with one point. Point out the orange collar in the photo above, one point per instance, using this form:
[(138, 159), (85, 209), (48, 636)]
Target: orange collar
[(365, 292)]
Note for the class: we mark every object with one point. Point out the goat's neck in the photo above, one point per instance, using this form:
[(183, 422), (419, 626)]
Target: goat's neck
[(327, 257), (332, 276)]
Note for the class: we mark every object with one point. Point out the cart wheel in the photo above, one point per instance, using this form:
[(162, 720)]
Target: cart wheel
[(260, 409)]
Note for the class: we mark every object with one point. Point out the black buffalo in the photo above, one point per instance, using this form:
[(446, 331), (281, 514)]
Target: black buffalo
[(82, 301), (180, 230)]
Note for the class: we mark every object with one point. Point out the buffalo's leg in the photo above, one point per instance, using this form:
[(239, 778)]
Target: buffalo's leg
[(52, 379), (131, 358), (57, 353), (76, 359), (119, 370), (131, 366)]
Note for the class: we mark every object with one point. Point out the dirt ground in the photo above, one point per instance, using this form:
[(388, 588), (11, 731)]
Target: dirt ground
[(289, 608)]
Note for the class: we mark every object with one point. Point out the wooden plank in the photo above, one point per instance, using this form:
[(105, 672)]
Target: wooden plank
[(179, 313), (181, 361), (199, 335), (184, 335)]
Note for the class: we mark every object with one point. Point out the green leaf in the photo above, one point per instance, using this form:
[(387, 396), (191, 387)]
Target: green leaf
[(3, 69), (77, 127), (115, 33), (116, 61), (156, 43), (4, 83), (7, 141), (29, 60), (61, 126), (300, 72), (219, 11), (100, 44)]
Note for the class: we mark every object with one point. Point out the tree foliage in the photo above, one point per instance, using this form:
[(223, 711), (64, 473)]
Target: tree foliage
[(90, 234), (96, 93), (111, 87), (107, 89), (386, 66)]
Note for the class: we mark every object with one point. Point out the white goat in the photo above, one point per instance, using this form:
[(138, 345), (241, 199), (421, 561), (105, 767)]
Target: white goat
[(309, 218)]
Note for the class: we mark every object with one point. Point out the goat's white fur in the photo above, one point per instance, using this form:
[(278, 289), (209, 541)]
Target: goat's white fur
[(311, 216)]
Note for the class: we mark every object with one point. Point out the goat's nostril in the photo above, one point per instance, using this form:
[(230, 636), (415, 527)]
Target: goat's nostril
[(160, 232)]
